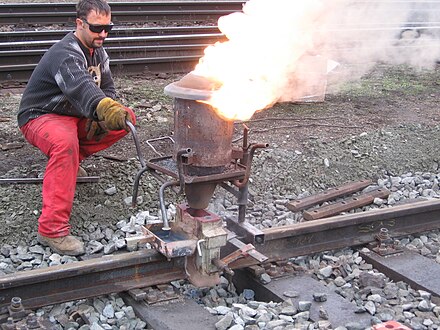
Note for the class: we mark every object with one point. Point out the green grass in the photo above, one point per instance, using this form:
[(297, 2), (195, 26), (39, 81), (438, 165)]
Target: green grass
[(400, 80)]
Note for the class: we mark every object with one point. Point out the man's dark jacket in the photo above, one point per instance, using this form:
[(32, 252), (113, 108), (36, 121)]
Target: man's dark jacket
[(66, 81)]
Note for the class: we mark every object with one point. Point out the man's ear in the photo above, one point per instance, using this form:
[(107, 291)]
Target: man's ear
[(79, 23)]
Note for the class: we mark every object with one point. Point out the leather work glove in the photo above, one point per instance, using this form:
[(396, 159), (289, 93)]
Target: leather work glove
[(113, 114), (96, 130)]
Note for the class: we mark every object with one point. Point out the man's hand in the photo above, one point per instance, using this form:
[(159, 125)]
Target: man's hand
[(96, 130), (113, 114)]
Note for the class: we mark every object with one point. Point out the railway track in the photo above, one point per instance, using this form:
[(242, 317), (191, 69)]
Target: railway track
[(174, 50), (28, 35), (133, 274), (122, 12), (132, 49)]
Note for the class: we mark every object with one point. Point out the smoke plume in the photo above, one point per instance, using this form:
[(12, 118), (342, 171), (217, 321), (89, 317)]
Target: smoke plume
[(282, 50)]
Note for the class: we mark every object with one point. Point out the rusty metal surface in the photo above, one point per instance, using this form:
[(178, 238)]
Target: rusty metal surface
[(346, 204), (171, 243), (94, 277), (303, 203), (143, 268), (340, 310), (168, 166), (345, 230), (408, 266), (249, 249), (197, 126), (198, 195), (246, 231)]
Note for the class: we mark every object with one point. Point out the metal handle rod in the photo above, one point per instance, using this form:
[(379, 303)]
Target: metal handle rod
[(136, 142), (248, 162), (136, 186), (162, 203), (179, 156)]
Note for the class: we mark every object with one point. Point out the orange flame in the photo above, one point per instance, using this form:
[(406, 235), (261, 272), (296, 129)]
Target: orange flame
[(254, 65)]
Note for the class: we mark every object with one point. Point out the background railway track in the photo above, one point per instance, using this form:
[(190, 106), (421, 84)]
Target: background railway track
[(134, 49), (173, 49), (157, 50), (122, 12)]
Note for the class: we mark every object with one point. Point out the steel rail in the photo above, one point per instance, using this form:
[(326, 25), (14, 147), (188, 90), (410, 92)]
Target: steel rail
[(139, 46), (121, 31), (18, 57), (207, 39), (120, 67), (135, 60), (115, 273), (22, 38), (346, 230), (175, 39), (146, 267), (11, 7), (17, 8), (157, 53), (25, 36), (44, 35), (37, 13), (160, 53), (119, 17), (20, 8)]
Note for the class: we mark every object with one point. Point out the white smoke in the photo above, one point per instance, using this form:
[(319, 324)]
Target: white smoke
[(361, 34), (282, 50)]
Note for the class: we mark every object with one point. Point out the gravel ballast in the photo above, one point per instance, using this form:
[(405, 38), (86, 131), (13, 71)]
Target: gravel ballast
[(390, 137)]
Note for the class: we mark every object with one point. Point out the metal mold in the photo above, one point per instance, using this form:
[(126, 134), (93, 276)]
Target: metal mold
[(171, 243), (197, 126), (203, 157)]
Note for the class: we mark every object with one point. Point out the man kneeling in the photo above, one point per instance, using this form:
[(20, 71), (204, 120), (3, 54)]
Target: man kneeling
[(68, 111)]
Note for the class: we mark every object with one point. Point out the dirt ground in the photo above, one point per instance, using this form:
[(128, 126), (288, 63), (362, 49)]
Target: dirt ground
[(382, 124)]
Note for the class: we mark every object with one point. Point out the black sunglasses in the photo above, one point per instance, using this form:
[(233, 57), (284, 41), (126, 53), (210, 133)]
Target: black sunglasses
[(96, 28)]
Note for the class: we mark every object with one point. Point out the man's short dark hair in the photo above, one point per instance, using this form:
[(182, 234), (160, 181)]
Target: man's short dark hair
[(84, 7)]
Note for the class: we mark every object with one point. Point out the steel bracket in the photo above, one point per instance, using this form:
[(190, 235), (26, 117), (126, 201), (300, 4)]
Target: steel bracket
[(385, 245), (244, 230)]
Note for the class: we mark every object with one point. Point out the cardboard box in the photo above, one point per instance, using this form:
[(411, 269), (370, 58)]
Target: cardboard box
[(308, 83)]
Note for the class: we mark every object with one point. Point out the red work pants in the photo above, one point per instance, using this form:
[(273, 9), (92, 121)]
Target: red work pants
[(63, 140)]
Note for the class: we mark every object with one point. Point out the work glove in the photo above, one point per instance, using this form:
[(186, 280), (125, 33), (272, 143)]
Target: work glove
[(96, 130), (113, 114)]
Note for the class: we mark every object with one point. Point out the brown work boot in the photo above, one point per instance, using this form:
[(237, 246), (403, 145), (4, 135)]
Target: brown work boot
[(81, 172), (68, 245)]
